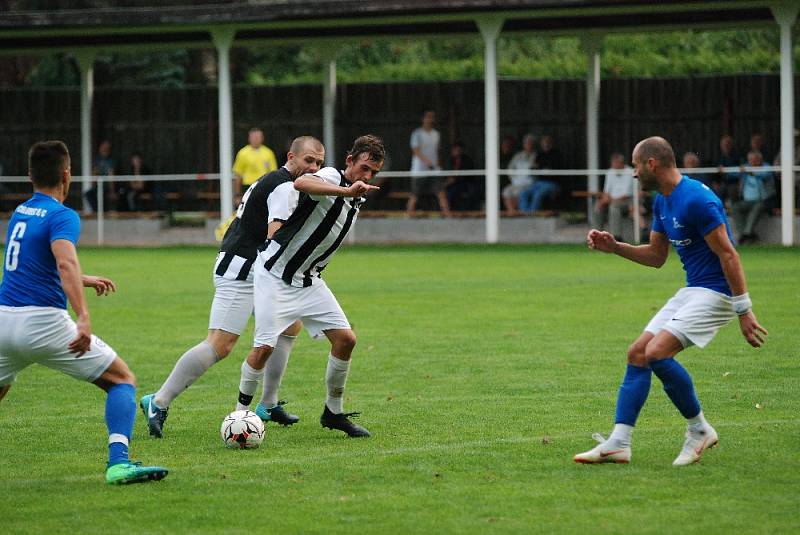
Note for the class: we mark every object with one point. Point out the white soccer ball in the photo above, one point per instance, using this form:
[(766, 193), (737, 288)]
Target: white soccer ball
[(242, 430)]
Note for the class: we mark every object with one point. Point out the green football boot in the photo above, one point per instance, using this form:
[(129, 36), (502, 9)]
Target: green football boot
[(133, 472)]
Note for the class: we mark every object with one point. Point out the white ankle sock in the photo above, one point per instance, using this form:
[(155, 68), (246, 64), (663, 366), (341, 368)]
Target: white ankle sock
[(622, 435), (187, 370), (697, 423), (335, 379), (274, 370), (248, 385)]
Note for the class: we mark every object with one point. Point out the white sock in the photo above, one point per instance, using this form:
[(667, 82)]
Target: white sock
[(248, 385), (697, 423), (187, 370), (274, 370), (335, 379), (622, 435)]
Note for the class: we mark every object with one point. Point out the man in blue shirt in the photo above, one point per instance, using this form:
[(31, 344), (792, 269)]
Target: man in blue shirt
[(688, 215), (41, 273)]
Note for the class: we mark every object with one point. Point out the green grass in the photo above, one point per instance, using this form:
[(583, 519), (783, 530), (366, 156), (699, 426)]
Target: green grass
[(480, 371)]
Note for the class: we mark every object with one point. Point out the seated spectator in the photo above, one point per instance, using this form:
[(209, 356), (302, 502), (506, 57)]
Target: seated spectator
[(614, 204), (691, 161), (757, 187), (130, 192), (507, 151), (548, 157), (463, 192), (728, 183), (104, 165), (521, 161), (757, 144)]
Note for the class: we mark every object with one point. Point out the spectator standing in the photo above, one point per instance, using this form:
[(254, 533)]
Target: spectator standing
[(462, 192), (253, 161), (425, 157), (728, 157), (522, 161), (691, 161), (757, 187), (548, 157), (757, 144), (613, 206), (104, 165)]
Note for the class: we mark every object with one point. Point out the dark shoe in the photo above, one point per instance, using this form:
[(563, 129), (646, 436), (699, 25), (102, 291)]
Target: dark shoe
[(342, 423), (154, 415), (276, 414)]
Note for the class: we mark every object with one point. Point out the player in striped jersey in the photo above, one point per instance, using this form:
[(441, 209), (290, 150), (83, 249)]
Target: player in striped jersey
[(263, 209), (288, 286)]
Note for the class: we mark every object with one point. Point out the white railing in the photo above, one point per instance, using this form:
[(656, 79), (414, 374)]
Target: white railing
[(475, 173)]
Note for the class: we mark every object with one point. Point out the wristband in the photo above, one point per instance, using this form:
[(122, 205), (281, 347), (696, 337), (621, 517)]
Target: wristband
[(741, 304)]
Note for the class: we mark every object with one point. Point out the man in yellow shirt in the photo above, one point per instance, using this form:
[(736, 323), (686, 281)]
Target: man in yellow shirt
[(253, 161)]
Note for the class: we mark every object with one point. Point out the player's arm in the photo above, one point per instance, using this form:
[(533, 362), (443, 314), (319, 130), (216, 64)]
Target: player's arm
[(653, 254), (101, 285), (69, 269), (717, 239), (314, 185)]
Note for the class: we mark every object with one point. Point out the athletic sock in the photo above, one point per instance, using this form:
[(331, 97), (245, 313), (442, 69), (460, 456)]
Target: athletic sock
[(120, 413), (621, 435), (335, 379), (678, 386), (632, 394), (274, 370), (698, 423), (247, 386), (187, 370)]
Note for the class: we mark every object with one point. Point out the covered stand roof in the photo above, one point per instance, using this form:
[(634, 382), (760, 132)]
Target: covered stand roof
[(35, 30)]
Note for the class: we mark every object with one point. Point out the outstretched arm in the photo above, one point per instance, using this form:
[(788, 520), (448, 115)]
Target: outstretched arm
[(719, 242), (653, 254), (69, 269), (313, 185)]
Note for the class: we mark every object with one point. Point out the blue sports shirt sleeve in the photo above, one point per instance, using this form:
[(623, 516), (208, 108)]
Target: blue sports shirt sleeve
[(709, 215), (65, 225)]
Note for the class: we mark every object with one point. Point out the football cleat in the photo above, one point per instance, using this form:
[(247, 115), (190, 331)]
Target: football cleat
[(155, 416), (130, 472), (605, 452), (696, 443), (342, 422), (276, 414)]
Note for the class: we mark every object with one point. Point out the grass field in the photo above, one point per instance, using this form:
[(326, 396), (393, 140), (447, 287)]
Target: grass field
[(480, 371)]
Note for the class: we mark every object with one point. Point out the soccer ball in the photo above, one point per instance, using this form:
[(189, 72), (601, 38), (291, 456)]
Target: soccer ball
[(242, 430)]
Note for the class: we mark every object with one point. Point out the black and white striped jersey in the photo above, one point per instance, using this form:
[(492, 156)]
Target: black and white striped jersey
[(271, 198), (303, 246)]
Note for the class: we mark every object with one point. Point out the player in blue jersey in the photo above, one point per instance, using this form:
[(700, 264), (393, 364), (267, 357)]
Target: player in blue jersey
[(688, 215), (41, 273)]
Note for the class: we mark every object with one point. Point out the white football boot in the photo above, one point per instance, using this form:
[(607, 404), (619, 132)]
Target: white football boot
[(607, 451), (694, 446)]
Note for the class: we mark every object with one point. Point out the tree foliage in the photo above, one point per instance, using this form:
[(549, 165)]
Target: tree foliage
[(682, 53)]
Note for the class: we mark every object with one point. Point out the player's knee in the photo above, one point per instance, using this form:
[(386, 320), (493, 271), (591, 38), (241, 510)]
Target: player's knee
[(346, 341), (636, 355)]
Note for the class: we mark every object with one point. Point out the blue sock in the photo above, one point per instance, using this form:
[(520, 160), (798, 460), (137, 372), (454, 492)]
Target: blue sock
[(678, 386), (120, 413), (632, 394)]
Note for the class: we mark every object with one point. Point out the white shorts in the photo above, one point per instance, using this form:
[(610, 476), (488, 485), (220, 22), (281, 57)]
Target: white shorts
[(42, 335), (693, 315), (278, 305), (232, 304)]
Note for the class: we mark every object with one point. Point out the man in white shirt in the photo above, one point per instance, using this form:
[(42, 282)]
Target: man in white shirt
[(425, 157), (613, 206), (522, 161)]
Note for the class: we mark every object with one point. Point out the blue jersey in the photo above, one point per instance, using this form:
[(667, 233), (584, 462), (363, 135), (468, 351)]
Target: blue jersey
[(30, 275), (686, 215)]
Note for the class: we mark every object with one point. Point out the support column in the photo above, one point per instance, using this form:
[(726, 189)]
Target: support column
[(785, 14), (85, 59), (591, 45), (329, 108), (490, 30), (223, 39)]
